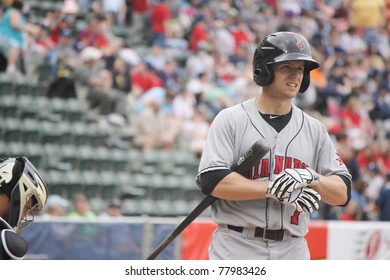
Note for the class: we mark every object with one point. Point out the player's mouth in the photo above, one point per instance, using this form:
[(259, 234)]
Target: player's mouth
[(293, 85)]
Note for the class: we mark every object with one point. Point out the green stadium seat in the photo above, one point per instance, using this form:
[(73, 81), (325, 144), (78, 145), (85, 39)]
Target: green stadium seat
[(32, 131), (12, 130), (6, 86), (9, 107)]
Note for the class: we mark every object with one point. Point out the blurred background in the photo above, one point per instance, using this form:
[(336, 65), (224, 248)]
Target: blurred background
[(112, 100)]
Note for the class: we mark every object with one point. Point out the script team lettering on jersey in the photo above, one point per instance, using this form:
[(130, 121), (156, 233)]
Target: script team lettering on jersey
[(262, 167)]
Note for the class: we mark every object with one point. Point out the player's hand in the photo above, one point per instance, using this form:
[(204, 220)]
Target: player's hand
[(304, 200), (281, 186)]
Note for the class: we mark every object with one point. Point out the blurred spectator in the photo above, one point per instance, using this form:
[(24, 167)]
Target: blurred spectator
[(138, 9), (286, 7), (93, 35), (117, 9), (200, 62), (156, 58), (63, 60), (70, 7), (351, 212), (241, 34), (84, 235), (84, 5), (358, 190), (81, 207), (121, 76), (222, 39), (375, 182), (383, 201), (144, 78), (356, 123), (205, 48), (199, 37), (194, 132), (114, 209), (13, 28), (56, 206), (347, 154), (152, 129), (159, 15), (87, 74), (43, 42), (106, 99), (351, 41), (183, 105), (367, 15), (198, 86), (113, 52), (171, 75), (64, 22), (381, 104)]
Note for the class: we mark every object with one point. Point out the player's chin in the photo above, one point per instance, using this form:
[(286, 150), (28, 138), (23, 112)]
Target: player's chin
[(291, 93)]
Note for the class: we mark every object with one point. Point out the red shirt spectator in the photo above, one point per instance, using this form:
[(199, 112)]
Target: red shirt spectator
[(64, 24), (198, 35), (241, 34), (139, 6), (144, 78), (158, 16), (93, 36)]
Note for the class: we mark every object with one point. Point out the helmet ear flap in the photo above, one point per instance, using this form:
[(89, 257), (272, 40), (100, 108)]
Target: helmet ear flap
[(305, 81), (263, 76)]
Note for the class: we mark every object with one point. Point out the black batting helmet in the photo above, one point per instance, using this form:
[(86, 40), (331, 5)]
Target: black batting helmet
[(282, 46), (20, 181)]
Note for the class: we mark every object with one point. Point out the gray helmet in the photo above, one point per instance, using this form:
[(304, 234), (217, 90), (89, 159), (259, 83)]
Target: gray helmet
[(282, 46), (20, 181)]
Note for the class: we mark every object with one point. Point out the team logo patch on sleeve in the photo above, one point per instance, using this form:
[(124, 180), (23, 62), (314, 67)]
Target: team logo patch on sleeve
[(339, 160)]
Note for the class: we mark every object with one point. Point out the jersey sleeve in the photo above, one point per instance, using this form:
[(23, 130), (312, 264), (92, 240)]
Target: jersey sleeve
[(219, 150)]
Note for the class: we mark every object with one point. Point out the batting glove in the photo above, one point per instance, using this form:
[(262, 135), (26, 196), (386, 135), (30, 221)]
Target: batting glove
[(304, 200), (309, 176), (282, 186)]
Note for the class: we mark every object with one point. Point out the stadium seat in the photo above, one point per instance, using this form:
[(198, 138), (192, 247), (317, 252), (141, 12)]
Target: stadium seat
[(22, 88), (32, 132), (9, 107), (6, 85), (165, 208), (12, 130), (44, 73)]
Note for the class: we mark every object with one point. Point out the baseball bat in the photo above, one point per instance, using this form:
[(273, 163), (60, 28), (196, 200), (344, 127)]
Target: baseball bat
[(259, 149)]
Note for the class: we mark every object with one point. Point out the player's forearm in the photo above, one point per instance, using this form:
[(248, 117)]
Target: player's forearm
[(236, 187), (332, 189)]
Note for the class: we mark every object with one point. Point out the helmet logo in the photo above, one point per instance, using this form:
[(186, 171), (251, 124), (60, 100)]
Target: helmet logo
[(6, 172), (300, 44)]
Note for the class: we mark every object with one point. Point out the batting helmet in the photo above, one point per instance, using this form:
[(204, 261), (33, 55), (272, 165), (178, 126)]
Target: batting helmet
[(282, 46), (26, 190)]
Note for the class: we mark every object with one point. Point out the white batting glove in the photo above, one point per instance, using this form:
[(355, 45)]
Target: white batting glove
[(282, 186), (304, 200), (309, 176)]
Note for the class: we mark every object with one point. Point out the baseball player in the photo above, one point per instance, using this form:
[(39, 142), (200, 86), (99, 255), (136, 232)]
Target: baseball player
[(22, 191), (265, 215)]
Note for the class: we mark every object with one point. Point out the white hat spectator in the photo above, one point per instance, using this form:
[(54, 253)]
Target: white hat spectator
[(56, 200), (90, 53), (70, 7)]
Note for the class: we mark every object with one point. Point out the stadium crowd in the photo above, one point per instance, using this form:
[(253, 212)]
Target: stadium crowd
[(166, 68)]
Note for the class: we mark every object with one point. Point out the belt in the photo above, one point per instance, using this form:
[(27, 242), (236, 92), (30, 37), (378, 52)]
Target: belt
[(266, 234)]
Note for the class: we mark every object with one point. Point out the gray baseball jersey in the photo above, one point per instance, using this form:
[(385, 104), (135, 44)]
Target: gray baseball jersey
[(303, 142)]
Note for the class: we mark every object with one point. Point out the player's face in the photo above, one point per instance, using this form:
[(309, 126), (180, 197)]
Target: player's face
[(4, 207), (287, 78)]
